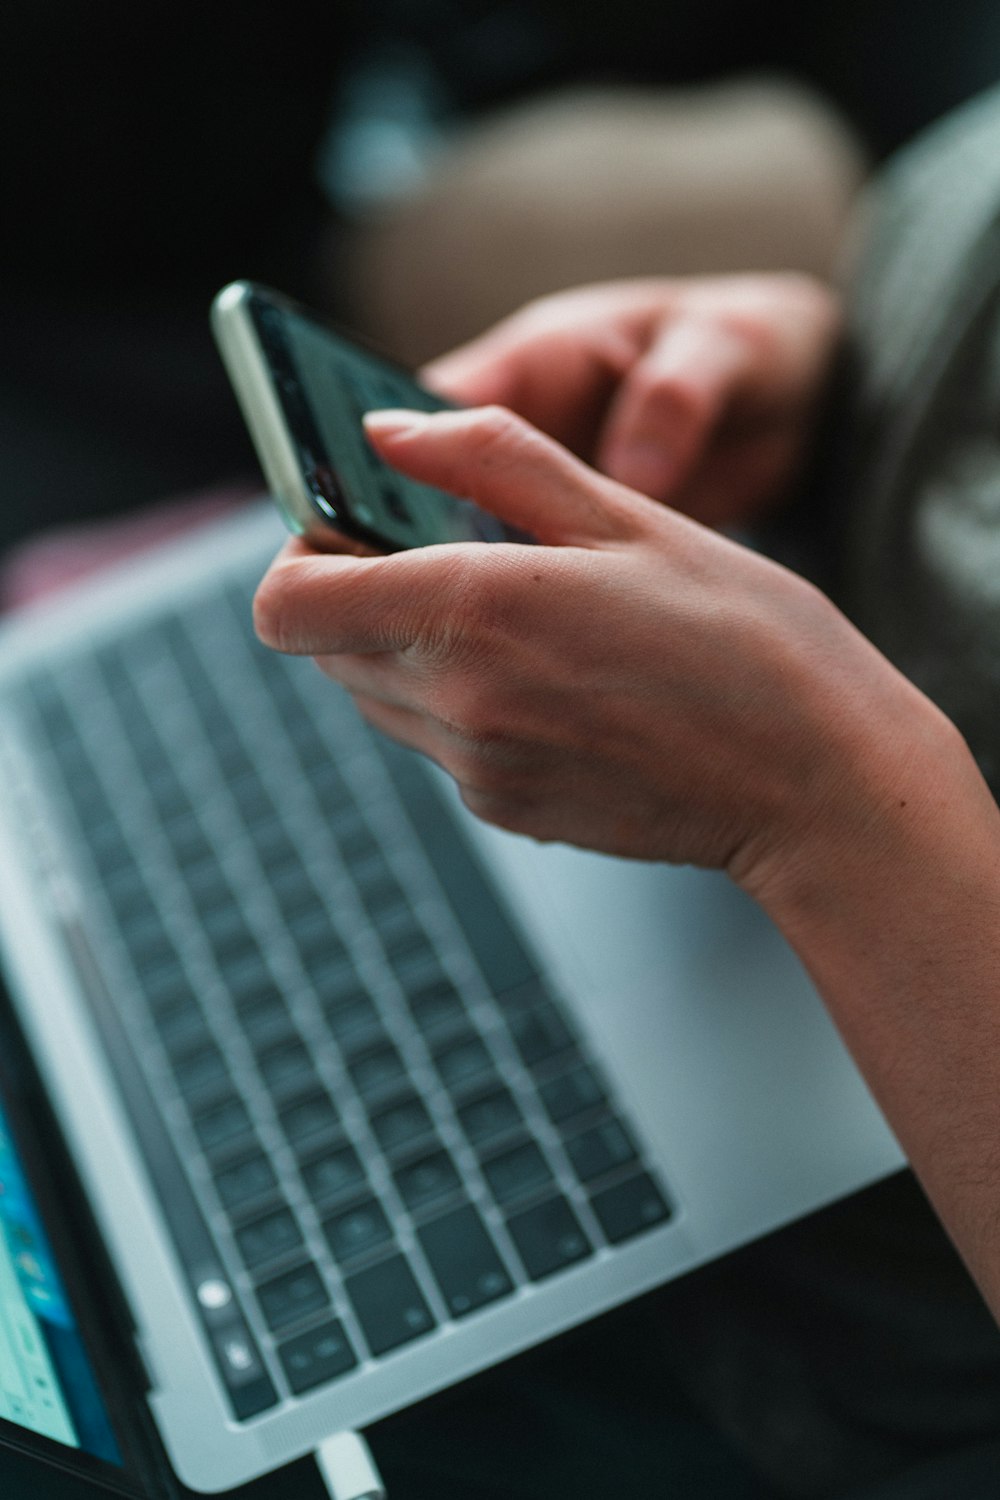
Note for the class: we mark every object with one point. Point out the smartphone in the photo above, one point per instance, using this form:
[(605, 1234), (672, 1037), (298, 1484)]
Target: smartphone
[(303, 389)]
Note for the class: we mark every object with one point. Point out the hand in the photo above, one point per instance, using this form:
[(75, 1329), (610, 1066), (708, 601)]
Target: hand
[(636, 683), (701, 391)]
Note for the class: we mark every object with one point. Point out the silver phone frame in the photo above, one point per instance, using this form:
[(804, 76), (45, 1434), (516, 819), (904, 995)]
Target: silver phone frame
[(250, 375)]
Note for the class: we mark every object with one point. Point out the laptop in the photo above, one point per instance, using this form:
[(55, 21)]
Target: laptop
[(362, 1096)]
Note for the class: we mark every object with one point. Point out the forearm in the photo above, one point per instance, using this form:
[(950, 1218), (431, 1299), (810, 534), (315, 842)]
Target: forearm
[(896, 913)]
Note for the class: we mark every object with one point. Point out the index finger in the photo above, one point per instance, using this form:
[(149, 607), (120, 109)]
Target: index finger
[(557, 370)]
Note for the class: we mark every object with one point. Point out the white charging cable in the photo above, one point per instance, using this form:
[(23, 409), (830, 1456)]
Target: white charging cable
[(348, 1469)]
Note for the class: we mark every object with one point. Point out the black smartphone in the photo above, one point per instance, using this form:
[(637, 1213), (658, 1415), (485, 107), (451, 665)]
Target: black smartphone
[(303, 389)]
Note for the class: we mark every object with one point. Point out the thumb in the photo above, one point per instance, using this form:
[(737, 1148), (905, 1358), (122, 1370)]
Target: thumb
[(506, 466)]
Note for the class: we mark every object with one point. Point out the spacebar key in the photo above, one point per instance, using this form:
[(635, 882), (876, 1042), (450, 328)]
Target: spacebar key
[(389, 1304)]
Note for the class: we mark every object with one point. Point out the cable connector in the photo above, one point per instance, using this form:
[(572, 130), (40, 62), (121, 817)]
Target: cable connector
[(348, 1469)]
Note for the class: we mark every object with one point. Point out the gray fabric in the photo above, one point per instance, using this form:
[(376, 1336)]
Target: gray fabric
[(923, 565)]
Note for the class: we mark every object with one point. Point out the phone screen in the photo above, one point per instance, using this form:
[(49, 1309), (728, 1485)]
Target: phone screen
[(326, 385)]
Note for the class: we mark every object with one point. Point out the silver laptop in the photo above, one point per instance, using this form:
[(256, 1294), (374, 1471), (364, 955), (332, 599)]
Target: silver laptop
[(365, 1096)]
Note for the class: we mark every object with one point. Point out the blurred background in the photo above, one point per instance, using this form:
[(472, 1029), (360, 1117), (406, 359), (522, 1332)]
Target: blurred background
[(417, 168)]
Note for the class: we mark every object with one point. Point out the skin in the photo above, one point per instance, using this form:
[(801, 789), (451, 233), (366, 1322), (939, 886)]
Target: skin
[(640, 684)]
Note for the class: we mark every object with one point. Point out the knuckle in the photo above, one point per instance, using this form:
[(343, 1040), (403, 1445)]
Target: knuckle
[(670, 398), (453, 623), (472, 708), (474, 614), (541, 314), (496, 432), (497, 808)]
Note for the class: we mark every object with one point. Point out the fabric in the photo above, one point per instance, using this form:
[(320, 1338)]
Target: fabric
[(922, 568)]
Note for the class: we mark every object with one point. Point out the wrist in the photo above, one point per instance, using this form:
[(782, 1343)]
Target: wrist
[(893, 906), (899, 820)]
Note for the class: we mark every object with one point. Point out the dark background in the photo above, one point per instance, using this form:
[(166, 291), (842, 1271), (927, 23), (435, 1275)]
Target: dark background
[(150, 152)]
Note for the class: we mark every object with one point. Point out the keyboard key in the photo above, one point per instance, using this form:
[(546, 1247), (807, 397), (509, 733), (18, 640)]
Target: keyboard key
[(249, 983), (201, 1072), (517, 1172), (275, 1234), (232, 941), (333, 1175), (629, 1208), (422, 1182), (290, 886), (286, 1068), (377, 1070), (128, 896), (354, 838), (463, 1062), (316, 1357), (187, 841), (494, 1114), (389, 1305), (491, 936), (405, 940), (238, 953), (222, 1126), (380, 891), (306, 1118), (221, 921), (324, 778), (184, 1031), (273, 846), (464, 1261), (571, 1094), (207, 885), (247, 1382), (548, 1237), (354, 1021), (358, 1230), (246, 1180), (167, 793), (294, 1295), (312, 931), (527, 995), (403, 1123), (152, 950), (600, 1150), (167, 988), (436, 1005), (267, 1022), (247, 974), (540, 1034), (250, 797), (334, 978)]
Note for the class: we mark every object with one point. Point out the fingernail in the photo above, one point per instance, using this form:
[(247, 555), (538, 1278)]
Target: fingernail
[(394, 423)]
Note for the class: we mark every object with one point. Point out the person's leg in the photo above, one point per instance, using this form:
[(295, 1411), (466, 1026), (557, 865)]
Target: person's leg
[(972, 1475), (591, 1416)]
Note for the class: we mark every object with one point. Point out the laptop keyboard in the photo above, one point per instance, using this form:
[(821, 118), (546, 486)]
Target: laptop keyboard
[(378, 1116)]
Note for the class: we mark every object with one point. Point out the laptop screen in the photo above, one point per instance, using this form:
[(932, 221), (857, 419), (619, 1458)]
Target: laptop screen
[(47, 1383)]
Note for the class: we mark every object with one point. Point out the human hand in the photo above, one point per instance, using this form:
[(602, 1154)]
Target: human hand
[(699, 391), (636, 683)]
